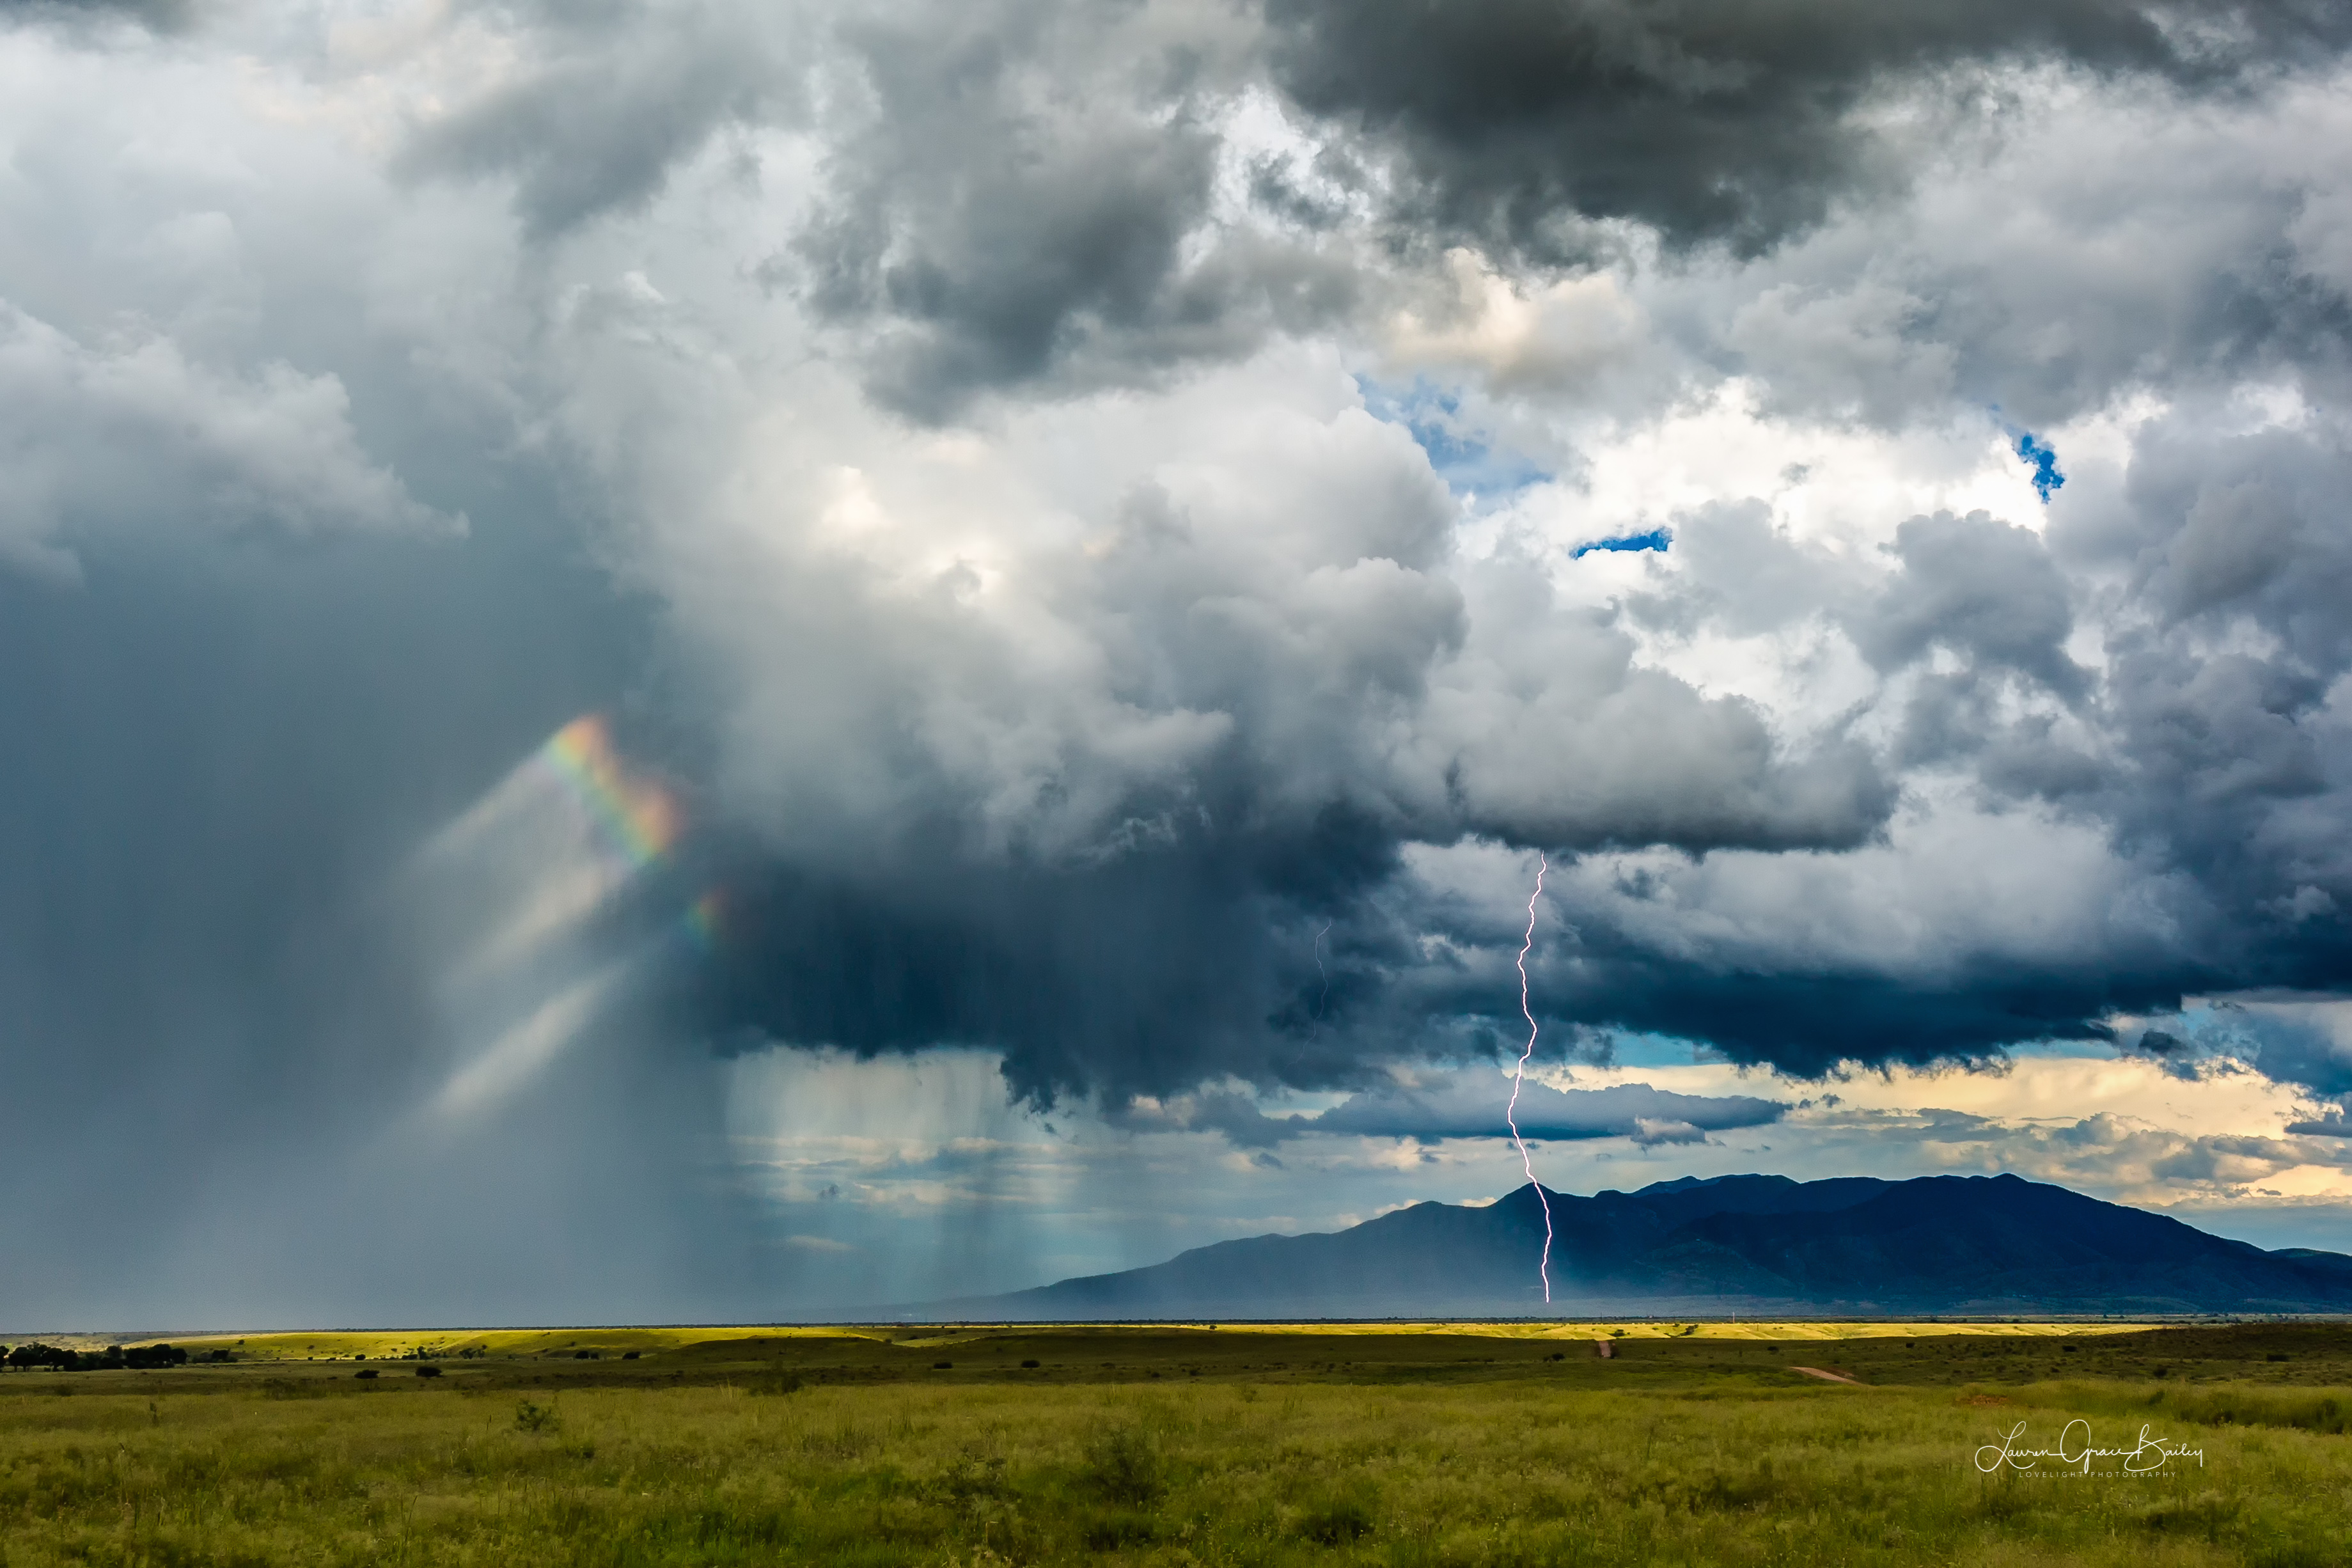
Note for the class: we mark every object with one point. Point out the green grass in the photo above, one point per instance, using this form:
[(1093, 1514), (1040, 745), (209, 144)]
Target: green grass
[(381, 1343), (1175, 1446)]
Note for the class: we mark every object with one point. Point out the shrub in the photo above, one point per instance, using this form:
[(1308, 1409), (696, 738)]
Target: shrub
[(531, 1418), (1031, 1364), (428, 1369), (1122, 1464), (367, 1371)]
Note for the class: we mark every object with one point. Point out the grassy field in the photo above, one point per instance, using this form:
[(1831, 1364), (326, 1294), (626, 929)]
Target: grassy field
[(1441, 1445), (382, 1343)]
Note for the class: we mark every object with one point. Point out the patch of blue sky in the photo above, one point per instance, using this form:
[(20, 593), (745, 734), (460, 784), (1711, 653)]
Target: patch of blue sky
[(2058, 1050), (1460, 451), (1640, 1048), (2042, 459), (2038, 454), (1658, 539)]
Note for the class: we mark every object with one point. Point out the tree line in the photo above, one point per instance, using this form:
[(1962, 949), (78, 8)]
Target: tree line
[(36, 1357)]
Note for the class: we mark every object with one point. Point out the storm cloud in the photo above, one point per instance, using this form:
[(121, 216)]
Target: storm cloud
[(1713, 119), (1099, 537), (1468, 1108)]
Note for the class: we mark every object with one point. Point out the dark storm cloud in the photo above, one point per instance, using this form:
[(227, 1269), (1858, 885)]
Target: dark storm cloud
[(990, 271), (1346, 705), (2222, 526), (1182, 963), (1013, 196), (2210, 760), (1710, 120), (1022, 196), (1145, 977), (1809, 1023), (989, 226), (2207, 748), (1473, 1107), (1185, 744), (1171, 964), (2235, 767), (2225, 760)]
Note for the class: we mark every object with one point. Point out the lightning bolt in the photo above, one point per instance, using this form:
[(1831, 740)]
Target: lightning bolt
[(1518, 1078)]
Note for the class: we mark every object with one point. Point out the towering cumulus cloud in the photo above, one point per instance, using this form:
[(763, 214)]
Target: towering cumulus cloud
[(1105, 538)]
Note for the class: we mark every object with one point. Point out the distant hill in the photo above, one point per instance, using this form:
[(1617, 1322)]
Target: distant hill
[(1986, 1245)]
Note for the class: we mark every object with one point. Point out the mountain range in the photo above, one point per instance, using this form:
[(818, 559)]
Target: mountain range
[(1961, 1245)]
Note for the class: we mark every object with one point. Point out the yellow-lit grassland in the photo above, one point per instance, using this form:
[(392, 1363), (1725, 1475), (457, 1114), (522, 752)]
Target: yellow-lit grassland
[(381, 1344), (1721, 1328), (1174, 1445)]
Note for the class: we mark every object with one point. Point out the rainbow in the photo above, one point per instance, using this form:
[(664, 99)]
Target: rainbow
[(703, 918), (640, 820)]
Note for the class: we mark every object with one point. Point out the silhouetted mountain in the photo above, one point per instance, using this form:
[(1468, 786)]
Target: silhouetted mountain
[(1734, 1244)]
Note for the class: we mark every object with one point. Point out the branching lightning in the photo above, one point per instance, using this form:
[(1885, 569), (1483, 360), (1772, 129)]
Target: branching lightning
[(1519, 1077)]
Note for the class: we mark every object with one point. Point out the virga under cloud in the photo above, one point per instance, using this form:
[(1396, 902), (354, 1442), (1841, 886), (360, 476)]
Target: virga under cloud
[(1131, 524)]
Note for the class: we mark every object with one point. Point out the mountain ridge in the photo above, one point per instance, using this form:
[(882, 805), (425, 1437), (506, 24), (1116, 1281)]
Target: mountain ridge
[(1722, 1246)]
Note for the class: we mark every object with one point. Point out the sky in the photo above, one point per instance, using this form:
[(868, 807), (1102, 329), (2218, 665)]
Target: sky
[(679, 661)]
